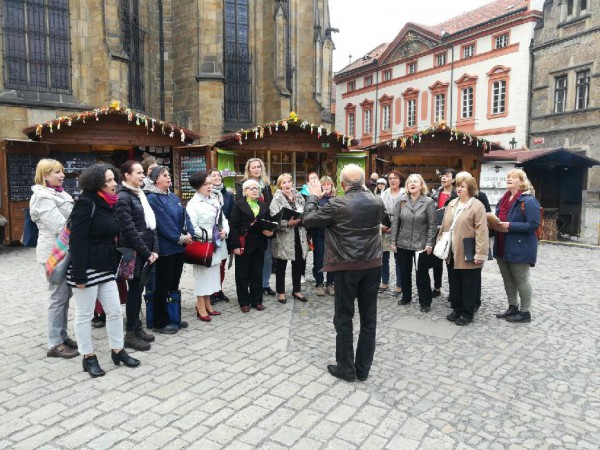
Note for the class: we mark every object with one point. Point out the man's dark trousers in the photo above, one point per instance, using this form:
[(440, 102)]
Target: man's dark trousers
[(362, 285)]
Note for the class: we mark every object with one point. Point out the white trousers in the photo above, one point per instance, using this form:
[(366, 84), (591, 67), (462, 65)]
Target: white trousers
[(85, 302)]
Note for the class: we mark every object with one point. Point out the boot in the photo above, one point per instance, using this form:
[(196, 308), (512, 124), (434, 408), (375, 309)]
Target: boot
[(511, 311), (123, 357), (134, 342), (91, 366), (142, 334), (520, 317)]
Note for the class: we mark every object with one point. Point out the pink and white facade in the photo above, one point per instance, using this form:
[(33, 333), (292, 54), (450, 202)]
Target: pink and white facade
[(471, 72)]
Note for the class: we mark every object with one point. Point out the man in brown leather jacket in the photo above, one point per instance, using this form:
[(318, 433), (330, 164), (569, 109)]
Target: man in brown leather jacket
[(353, 253)]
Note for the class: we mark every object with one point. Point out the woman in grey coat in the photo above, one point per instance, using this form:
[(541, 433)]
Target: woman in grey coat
[(413, 232), (290, 243)]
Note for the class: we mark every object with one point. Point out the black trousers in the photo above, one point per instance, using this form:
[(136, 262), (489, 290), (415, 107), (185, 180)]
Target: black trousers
[(438, 271), (363, 286), (406, 258), (168, 275), (465, 289), (248, 278), (298, 268), (134, 303)]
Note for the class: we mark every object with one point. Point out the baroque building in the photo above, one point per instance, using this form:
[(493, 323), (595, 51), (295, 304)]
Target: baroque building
[(565, 100), (209, 65), (469, 72)]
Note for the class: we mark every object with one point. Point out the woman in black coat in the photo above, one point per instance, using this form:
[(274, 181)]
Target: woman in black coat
[(93, 264), (137, 240), (248, 246)]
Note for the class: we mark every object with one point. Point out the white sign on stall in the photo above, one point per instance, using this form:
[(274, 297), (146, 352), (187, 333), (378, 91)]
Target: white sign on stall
[(493, 179)]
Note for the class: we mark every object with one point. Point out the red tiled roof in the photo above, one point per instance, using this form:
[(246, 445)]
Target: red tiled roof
[(365, 60)]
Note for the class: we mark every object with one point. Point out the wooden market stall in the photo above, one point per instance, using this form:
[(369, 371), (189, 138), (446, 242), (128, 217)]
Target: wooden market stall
[(289, 145), (111, 134), (429, 151)]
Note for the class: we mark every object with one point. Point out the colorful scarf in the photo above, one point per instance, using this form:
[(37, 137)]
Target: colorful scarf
[(253, 206), (111, 199), (57, 188)]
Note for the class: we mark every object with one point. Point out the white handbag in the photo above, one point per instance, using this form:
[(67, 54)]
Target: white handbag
[(442, 246)]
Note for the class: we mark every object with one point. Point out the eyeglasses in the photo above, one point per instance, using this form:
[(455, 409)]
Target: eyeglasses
[(253, 188)]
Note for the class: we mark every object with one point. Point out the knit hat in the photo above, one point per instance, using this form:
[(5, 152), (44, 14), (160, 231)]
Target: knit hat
[(382, 181), (156, 173)]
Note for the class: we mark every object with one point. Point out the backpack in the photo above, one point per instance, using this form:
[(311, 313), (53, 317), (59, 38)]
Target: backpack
[(540, 229), (30, 231)]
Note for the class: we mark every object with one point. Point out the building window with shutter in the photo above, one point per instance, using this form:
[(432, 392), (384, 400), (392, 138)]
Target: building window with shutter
[(132, 35), (37, 45), (237, 62), (560, 94), (582, 92)]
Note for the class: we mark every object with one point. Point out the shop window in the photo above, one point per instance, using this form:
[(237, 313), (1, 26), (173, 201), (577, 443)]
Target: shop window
[(468, 51), (501, 41), (238, 62), (582, 92), (560, 94), (411, 67), (37, 46), (387, 75), (440, 59), (368, 81), (467, 103), (132, 35)]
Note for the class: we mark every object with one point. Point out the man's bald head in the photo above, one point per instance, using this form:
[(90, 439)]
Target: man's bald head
[(352, 176)]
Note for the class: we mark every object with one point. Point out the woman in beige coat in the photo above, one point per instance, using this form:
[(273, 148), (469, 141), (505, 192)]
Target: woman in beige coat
[(466, 221), (290, 243)]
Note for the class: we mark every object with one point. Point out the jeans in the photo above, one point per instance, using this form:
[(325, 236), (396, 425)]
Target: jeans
[(385, 269), (362, 285), (318, 255), (267, 264), (85, 301), (58, 310), (516, 281)]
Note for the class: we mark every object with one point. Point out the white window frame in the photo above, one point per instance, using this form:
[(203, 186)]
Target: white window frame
[(386, 117), (439, 107), (501, 41), (499, 97), (411, 113), (467, 102)]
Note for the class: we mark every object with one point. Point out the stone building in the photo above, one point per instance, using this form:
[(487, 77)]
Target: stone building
[(208, 65), (565, 100)]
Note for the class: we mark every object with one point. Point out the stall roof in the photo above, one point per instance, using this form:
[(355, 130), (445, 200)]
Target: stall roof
[(452, 134), (234, 140), (111, 125), (555, 156)]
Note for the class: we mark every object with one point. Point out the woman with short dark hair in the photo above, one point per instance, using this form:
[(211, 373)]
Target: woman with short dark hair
[(137, 232), (93, 264)]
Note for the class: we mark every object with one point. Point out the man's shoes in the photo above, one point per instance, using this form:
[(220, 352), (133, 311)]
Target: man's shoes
[(183, 324), (245, 308), (452, 316), (269, 291), (330, 290), (521, 317), (462, 321), (436, 293), (336, 372), (70, 343), (142, 334), (511, 311), (425, 308), (168, 329), (259, 307), (134, 342), (320, 290), (362, 378), (62, 351)]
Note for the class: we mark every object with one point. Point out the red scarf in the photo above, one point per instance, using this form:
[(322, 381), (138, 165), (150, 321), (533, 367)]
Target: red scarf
[(57, 188), (111, 199), (503, 209)]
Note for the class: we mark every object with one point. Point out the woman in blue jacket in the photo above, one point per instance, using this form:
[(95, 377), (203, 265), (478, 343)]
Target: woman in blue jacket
[(515, 247), (173, 226)]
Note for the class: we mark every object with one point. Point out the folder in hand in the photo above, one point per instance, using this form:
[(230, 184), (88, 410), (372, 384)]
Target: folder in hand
[(469, 246), (438, 217), (286, 213), (260, 225)]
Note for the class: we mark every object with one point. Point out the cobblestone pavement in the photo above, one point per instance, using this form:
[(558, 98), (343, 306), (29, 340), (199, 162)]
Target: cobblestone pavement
[(259, 380)]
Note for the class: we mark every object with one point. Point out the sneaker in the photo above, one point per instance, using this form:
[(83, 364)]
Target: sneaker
[(330, 290), (320, 291), (521, 317), (62, 351)]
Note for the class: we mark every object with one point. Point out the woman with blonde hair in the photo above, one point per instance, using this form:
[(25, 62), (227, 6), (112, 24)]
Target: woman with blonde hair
[(413, 234), (255, 170), (50, 207), (290, 243), (318, 239), (515, 246), (465, 220)]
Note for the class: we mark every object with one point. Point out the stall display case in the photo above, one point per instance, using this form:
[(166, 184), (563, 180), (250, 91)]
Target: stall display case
[(188, 160)]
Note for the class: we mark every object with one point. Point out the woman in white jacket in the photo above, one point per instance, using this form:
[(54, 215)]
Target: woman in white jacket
[(206, 213), (50, 207)]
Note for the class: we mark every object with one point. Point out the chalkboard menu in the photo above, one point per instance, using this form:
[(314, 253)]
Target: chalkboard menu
[(190, 163), (21, 175), (74, 162)]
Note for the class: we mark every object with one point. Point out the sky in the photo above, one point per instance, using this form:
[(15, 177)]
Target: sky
[(364, 24)]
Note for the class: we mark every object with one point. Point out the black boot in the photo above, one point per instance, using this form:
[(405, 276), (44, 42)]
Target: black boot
[(222, 297), (123, 357), (134, 342), (520, 317), (91, 366), (511, 311), (143, 334)]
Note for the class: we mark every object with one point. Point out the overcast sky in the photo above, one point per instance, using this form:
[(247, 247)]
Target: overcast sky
[(364, 24)]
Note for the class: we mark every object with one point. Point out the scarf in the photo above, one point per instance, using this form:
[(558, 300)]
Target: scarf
[(503, 209), (149, 216), (253, 206), (111, 199), (217, 194), (57, 188)]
